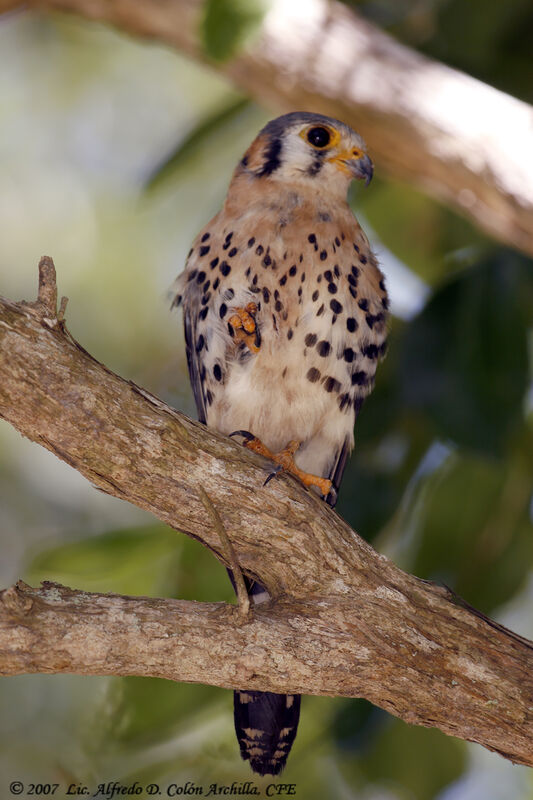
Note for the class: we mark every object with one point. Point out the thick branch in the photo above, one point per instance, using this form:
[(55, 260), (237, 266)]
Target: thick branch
[(459, 139), (346, 621), (327, 648)]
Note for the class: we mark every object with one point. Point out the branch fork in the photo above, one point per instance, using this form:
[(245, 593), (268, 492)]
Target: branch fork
[(343, 619)]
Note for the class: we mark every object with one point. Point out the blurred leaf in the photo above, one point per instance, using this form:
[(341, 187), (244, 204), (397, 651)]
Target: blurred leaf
[(152, 561), (149, 708), (463, 361), (471, 527), (398, 758), (228, 23), (417, 229), (357, 723), (204, 131), (139, 561)]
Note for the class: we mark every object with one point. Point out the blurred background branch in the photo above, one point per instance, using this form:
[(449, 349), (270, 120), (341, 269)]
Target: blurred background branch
[(460, 140)]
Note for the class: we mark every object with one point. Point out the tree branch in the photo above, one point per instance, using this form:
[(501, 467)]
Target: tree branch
[(344, 620), (460, 140)]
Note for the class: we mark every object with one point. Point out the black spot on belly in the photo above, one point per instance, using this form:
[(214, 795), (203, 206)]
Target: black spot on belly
[(217, 372), (315, 295), (344, 400), (313, 375), (363, 304), (222, 310), (310, 339), (348, 355), (359, 378), (372, 319), (323, 348), (351, 324), (323, 255), (266, 295), (251, 241), (370, 351), (203, 313), (200, 278), (225, 268), (335, 306), (330, 385), (332, 288), (213, 263), (292, 271)]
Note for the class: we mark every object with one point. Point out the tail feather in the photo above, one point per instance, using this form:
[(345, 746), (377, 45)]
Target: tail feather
[(265, 722), (266, 725)]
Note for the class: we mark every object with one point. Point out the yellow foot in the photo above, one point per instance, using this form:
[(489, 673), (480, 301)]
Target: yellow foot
[(243, 328), (285, 461)]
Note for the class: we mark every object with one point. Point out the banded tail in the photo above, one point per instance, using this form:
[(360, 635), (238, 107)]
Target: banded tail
[(265, 723)]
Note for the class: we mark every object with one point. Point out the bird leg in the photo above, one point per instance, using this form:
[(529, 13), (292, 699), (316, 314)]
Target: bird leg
[(285, 461), (243, 328)]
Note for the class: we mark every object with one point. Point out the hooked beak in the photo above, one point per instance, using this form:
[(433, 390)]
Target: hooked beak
[(362, 168), (357, 166)]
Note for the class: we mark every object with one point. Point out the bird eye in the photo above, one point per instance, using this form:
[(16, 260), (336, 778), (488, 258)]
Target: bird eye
[(318, 137)]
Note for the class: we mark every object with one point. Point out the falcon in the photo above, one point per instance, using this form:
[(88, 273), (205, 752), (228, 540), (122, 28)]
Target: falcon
[(285, 316)]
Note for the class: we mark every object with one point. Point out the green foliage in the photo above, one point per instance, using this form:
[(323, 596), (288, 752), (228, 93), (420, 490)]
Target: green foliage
[(397, 757), (463, 361), (228, 24), (153, 560), (201, 135)]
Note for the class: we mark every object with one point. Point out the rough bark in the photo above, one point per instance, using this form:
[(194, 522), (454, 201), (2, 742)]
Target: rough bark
[(460, 140), (344, 620)]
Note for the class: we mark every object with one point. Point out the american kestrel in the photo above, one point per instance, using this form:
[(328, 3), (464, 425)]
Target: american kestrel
[(285, 314)]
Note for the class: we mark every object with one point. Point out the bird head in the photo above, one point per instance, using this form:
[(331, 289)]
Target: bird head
[(308, 150)]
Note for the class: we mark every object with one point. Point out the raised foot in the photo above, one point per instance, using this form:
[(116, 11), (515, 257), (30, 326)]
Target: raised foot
[(243, 328), (285, 461)]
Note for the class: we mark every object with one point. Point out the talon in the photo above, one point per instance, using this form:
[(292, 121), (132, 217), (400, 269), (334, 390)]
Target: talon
[(273, 474), (245, 434), (285, 462), (243, 328)]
